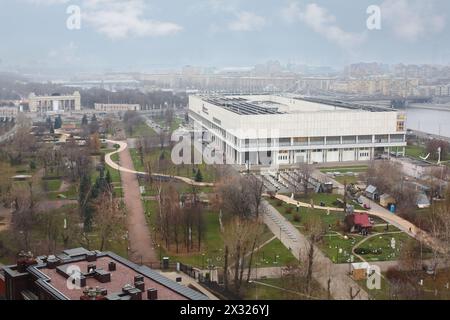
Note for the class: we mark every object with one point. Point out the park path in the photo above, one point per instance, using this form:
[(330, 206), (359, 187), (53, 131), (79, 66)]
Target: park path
[(142, 250), (125, 168), (378, 211), (323, 269)]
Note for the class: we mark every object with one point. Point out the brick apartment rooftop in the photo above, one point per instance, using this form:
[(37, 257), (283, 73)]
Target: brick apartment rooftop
[(101, 276)]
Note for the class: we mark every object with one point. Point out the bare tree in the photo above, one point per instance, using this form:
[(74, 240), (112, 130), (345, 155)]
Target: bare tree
[(239, 235), (315, 231), (109, 219), (305, 172)]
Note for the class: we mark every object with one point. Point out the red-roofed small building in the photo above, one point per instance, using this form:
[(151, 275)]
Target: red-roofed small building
[(358, 223)]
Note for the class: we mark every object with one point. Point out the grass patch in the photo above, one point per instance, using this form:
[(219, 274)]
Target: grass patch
[(280, 289), (185, 170), (345, 169), (143, 130), (52, 185), (273, 254), (415, 151), (70, 194)]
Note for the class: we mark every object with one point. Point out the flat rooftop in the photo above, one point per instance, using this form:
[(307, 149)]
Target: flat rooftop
[(266, 105), (94, 267), (241, 106), (122, 276)]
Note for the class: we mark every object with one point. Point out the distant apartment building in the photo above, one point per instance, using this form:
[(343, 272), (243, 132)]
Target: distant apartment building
[(435, 90), (288, 129), (80, 274), (55, 103), (114, 107), (377, 86)]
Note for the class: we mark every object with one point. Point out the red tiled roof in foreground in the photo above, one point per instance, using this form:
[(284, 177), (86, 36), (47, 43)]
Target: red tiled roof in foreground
[(119, 278)]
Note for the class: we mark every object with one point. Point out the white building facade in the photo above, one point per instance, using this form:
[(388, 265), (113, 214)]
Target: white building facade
[(283, 130), (55, 103), (114, 107)]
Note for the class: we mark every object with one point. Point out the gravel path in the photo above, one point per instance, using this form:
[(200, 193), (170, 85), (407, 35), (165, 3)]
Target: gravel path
[(142, 250)]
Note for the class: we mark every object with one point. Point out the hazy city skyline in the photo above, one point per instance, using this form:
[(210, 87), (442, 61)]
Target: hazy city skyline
[(137, 35)]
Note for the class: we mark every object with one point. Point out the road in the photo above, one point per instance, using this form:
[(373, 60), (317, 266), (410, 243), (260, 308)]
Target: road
[(142, 250), (124, 168), (324, 269), (156, 127)]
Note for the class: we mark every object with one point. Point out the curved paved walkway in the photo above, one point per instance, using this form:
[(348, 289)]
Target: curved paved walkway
[(324, 268), (123, 146), (384, 214)]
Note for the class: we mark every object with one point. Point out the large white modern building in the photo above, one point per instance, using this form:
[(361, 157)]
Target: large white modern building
[(284, 130), (55, 103)]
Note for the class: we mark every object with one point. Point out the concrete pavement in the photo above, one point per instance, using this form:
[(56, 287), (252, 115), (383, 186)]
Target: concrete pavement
[(324, 268), (125, 169)]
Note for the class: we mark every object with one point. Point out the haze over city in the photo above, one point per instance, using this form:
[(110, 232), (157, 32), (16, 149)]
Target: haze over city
[(147, 36)]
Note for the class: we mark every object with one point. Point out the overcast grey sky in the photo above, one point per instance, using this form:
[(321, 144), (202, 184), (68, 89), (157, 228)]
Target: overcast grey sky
[(144, 35)]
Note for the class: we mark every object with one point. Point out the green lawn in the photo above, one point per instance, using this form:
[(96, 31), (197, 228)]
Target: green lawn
[(415, 151), (212, 246), (143, 130), (279, 289), (52, 185), (273, 254), (334, 219), (70, 194), (339, 249), (174, 126), (345, 169), (382, 243), (185, 170), (344, 177)]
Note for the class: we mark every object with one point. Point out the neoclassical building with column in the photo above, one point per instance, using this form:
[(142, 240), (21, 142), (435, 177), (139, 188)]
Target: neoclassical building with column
[(55, 103)]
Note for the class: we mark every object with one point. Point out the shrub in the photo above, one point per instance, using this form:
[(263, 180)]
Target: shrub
[(289, 210), (297, 217), (279, 203)]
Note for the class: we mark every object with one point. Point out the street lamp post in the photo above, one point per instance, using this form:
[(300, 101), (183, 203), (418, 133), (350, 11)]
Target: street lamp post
[(203, 261), (160, 253)]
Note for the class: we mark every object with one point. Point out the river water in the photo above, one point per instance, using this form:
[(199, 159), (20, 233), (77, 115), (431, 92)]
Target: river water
[(430, 121)]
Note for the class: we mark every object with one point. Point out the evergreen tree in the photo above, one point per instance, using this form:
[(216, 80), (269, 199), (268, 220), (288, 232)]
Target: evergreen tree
[(84, 197), (199, 176), (84, 120), (108, 177), (58, 123)]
